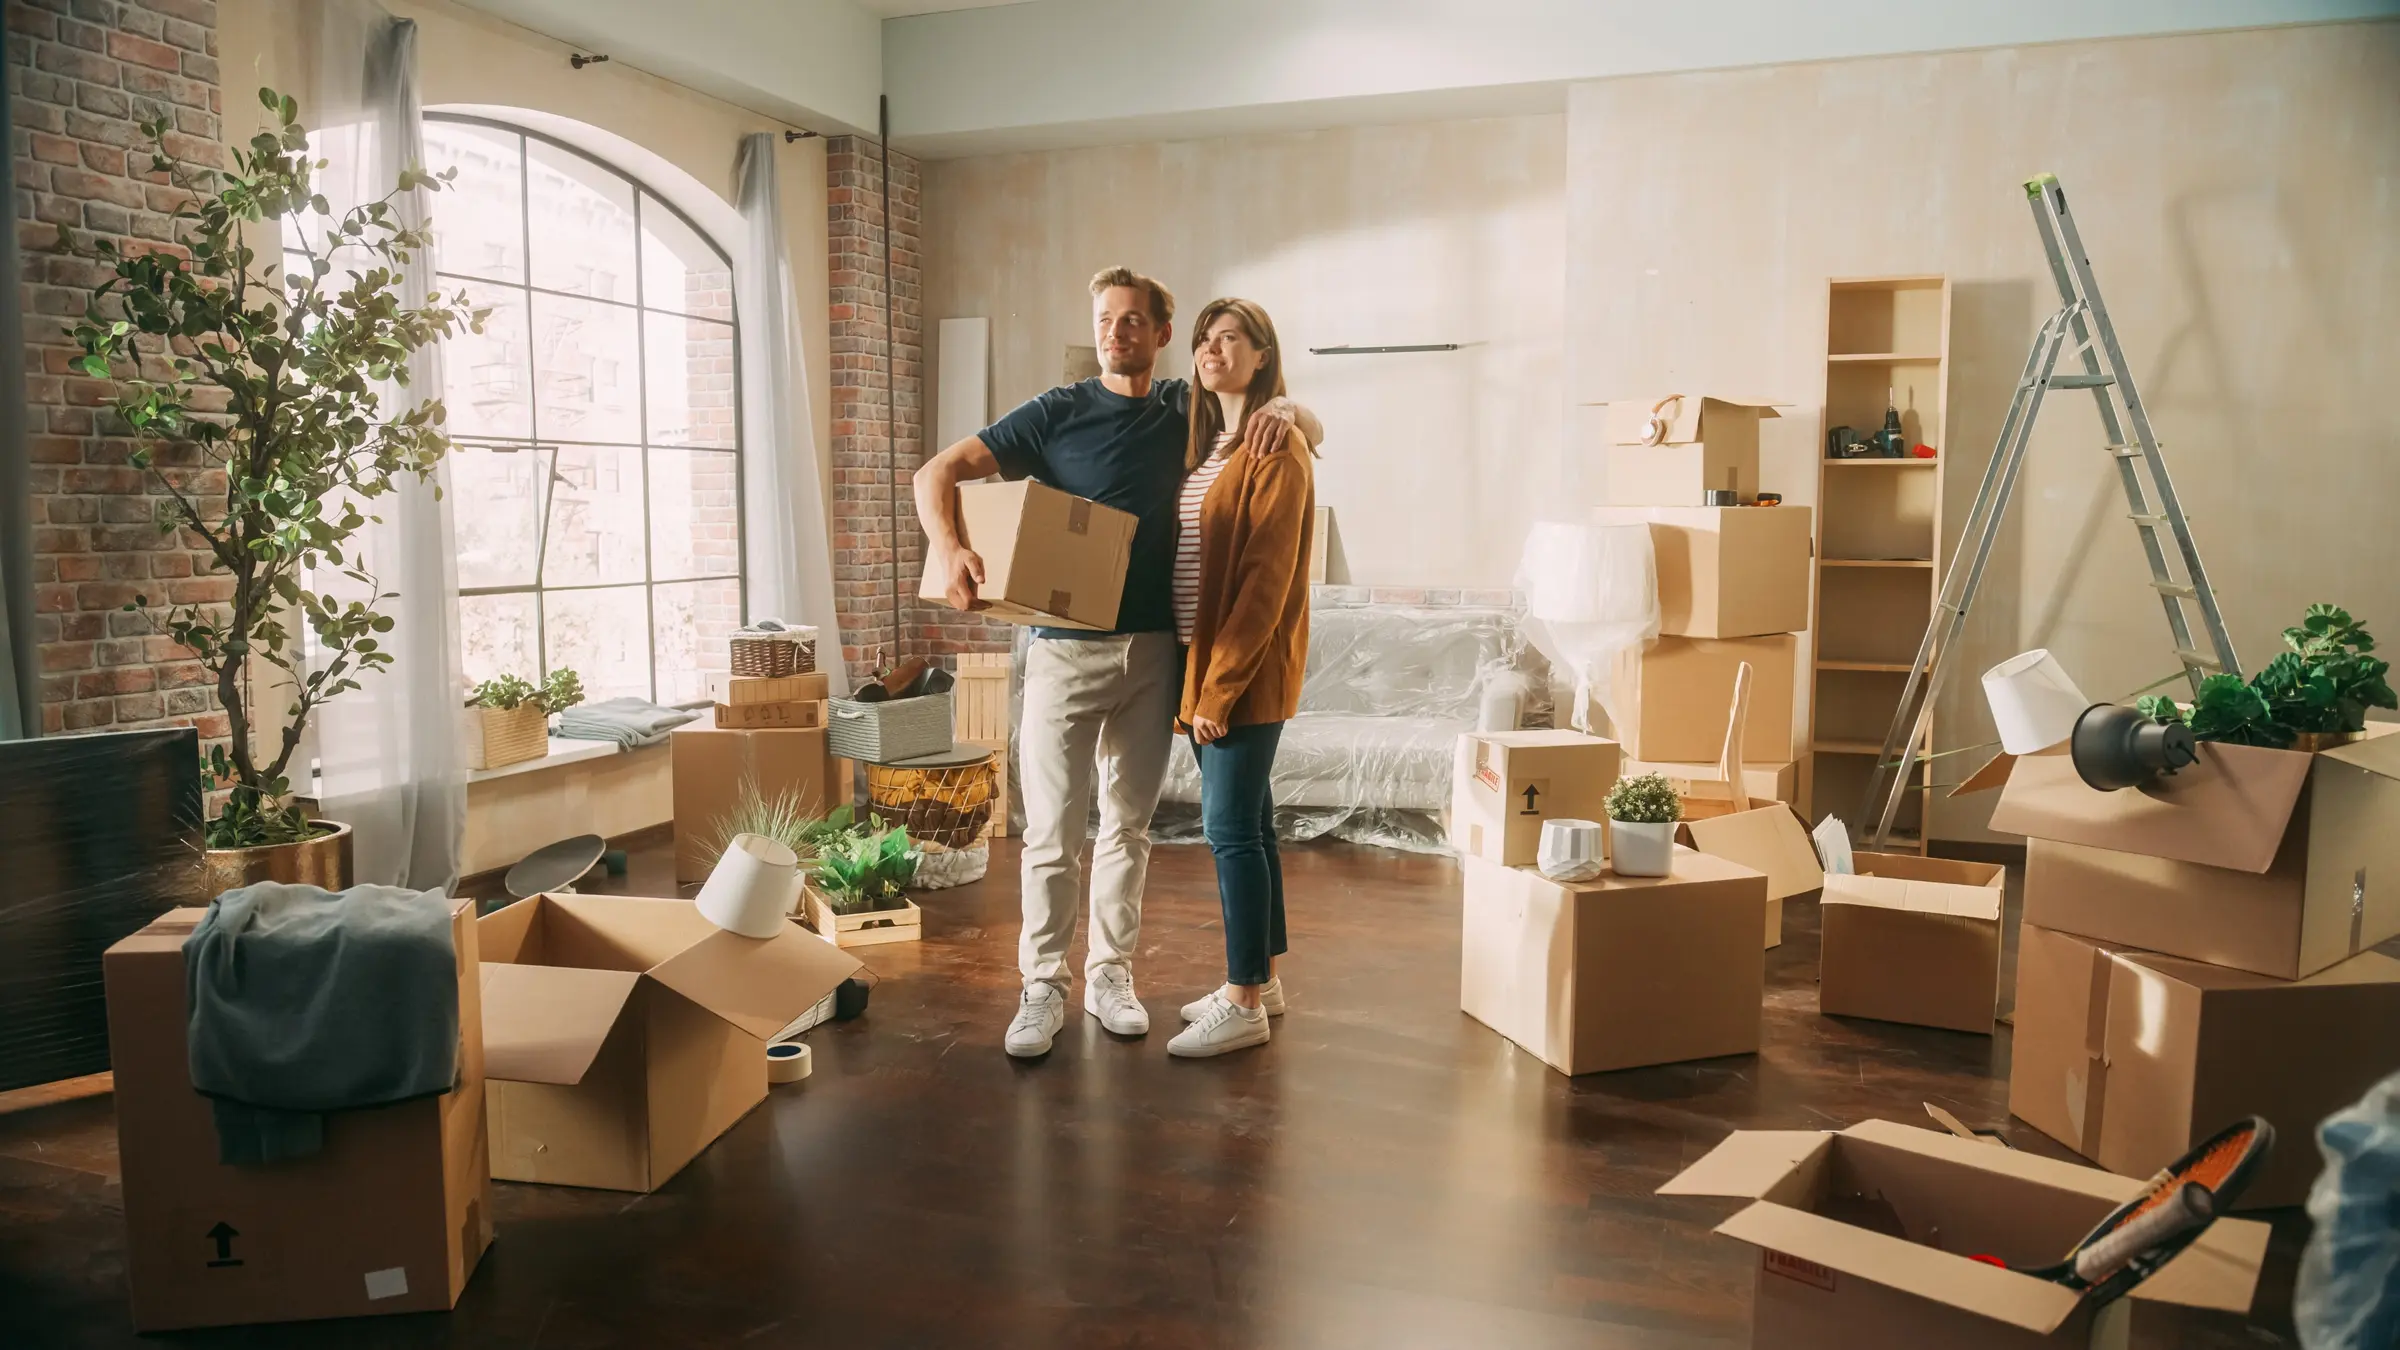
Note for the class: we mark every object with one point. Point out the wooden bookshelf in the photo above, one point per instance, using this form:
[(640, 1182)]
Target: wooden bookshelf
[(1879, 531)]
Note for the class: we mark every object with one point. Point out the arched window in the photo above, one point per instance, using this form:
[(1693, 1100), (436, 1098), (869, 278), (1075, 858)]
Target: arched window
[(598, 472)]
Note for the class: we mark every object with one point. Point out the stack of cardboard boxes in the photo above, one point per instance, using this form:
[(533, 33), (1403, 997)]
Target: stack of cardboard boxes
[(2198, 950), (767, 734)]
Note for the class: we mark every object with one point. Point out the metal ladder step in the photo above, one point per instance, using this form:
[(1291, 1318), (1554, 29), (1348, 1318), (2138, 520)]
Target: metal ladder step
[(2200, 659), (2079, 381)]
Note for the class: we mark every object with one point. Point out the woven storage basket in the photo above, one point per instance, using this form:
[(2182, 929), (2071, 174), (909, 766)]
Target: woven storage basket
[(879, 733), (764, 654), (505, 736), (945, 801)]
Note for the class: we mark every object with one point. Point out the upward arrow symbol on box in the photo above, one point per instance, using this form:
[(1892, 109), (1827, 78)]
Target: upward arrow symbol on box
[(223, 1235), (1532, 794)]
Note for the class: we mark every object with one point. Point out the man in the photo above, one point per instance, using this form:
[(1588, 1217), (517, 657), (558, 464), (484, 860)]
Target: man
[(1118, 440)]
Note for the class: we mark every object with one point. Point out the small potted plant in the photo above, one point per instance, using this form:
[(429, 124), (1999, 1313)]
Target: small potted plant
[(858, 893), (512, 716), (2313, 695), (1642, 811)]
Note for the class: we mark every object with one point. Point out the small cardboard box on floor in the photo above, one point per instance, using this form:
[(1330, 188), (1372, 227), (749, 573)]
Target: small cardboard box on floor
[(1504, 784), (2270, 861), (1616, 972), (1670, 698), (2130, 1057), (1910, 939), (711, 765), (1702, 444), (1865, 1238), (390, 1217), (623, 1035), (1726, 571), (1049, 558), (1768, 839)]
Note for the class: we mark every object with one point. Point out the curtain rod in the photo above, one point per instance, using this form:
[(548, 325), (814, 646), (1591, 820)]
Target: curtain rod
[(1379, 351)]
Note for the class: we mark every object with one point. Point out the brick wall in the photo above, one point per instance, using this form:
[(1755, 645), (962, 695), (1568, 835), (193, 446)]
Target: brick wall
[(81, 74)]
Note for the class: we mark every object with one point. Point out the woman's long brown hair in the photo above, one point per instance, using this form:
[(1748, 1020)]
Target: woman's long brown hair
[(1208, 415)]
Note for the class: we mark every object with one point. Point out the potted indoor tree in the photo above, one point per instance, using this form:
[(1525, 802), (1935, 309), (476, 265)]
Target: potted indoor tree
[(1642, 811), (511, 716), (253, 393)]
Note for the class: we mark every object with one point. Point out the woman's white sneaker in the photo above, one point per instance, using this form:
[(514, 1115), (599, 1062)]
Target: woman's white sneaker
[(1270, 997), (1225, 1026)]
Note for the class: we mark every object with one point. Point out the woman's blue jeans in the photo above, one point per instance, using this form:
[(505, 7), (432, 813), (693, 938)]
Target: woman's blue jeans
[(1237, 813)]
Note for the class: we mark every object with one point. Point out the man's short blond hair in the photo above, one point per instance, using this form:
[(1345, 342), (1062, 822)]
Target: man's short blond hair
[(1162, 300)]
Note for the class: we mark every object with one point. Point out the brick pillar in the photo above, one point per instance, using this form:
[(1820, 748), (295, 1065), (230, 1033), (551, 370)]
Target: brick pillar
[(82, 73), (867, 568)]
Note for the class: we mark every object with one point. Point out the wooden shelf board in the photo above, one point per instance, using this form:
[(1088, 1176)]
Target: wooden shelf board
[(1846, 748), (1885, 667), (1878, 462), (1883, 358), (1875, 562)]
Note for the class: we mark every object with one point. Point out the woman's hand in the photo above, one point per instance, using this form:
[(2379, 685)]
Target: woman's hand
[(1207, 732)]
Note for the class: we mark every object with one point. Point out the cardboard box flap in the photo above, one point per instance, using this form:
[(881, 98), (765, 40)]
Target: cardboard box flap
[(647, 931), (1769, 839), (1918, 897), (2019, 1300), (1629, 418), (2218, 1271), (2377, 750), (1993, 774), (1747, 1164), (759, 985), (2228, 810), (545, 1024)]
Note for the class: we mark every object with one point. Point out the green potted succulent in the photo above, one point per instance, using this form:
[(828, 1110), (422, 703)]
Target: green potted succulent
[(2314, 694), (252, 387), (512, 716), (1642, 813)]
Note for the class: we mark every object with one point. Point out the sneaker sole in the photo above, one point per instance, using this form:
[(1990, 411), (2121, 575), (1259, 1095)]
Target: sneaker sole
[(1212, 1051), (1189, 1016), (1029, 1053), (1092, 1007)]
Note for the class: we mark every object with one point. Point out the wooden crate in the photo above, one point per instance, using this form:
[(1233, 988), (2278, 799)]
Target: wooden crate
[(998, 829), (869, 928), (793, 715), (979, 702), (738, 689), (505, 736)]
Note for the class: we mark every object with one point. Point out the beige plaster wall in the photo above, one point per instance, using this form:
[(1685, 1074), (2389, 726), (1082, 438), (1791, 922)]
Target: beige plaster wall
[(1436, 232), (2239, 194)]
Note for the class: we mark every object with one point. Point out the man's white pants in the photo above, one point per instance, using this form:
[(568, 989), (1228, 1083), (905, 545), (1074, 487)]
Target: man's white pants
[(1109, 703)]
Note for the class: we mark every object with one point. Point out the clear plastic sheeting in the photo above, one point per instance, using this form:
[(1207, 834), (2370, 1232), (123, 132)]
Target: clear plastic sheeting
[(941, 869), (1389, 690), (2349, 1284), (1591, 591)]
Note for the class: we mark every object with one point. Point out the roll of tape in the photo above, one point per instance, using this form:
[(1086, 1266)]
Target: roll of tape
[(787, 1062)]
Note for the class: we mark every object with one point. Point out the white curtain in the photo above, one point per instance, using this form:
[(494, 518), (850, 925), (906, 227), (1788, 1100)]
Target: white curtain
[(388, 753), (789, 557)]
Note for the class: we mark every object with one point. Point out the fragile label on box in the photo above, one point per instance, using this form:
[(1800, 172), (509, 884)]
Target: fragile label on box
[(1794, 1268)]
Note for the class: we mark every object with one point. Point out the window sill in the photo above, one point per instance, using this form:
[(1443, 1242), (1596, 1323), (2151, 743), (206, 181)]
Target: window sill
[(562, 753)]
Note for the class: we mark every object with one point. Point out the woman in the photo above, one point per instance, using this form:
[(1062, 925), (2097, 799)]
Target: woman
[(1241, 609)]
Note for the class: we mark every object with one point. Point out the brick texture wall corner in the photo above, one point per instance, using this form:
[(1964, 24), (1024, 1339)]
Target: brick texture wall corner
[(871, 473), (82, 73)]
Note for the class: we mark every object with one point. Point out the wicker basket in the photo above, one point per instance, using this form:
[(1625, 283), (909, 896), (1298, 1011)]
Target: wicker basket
[(771, 654), (883, 733), (945, 802), (505, 736)]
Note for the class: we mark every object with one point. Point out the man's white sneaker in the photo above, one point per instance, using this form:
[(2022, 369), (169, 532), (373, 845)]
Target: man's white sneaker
[(1270, 997), (1108, 995), (1041, 1011), (1224, 1026)]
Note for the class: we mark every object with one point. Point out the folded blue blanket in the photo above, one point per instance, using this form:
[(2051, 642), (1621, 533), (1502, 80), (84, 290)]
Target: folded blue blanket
[(630, 722)]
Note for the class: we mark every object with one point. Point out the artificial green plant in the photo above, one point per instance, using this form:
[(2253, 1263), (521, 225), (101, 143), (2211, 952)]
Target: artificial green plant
[(867, 869), (2323, 682), (1644, 799), (228, 366), (560, 690)]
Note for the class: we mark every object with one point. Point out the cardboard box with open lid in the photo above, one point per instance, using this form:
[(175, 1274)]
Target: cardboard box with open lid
[(1049, 557), (1866, 1236), (2271, 861), (622, 1035), (1725, 571), (1910, 939), (1767, 838), (1673, 449)]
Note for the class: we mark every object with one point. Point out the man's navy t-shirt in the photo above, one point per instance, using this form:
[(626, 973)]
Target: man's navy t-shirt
[(1118, 451)]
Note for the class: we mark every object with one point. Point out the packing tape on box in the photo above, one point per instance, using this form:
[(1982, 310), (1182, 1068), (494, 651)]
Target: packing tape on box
[(788, 1061), (2033, 702)]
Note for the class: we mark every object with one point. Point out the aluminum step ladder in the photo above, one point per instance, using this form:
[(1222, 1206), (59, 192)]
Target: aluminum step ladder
[(2082, 325)]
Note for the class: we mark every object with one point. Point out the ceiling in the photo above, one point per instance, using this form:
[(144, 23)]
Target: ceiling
[(899, 9)]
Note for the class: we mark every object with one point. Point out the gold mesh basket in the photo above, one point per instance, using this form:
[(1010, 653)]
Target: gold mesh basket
[(945, 800)]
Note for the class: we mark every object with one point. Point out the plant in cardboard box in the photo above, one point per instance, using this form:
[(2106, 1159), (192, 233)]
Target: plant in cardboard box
[(251, 389), (1642, 811), (867, 869), (2314, 693)]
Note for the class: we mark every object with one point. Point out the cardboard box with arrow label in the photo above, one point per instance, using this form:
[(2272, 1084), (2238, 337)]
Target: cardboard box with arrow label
[(1506, 783)]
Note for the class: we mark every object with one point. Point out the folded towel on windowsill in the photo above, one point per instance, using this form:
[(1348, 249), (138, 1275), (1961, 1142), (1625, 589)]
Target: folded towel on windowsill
[(630, 722)]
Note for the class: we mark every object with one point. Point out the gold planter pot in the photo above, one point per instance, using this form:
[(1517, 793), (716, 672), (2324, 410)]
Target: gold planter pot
[(320, 861), (2311, 742)]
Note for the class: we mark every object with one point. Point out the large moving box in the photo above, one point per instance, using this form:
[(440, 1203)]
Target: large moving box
[(1707, 444), (621, 1036), (1911, 939), (2130, 1057), (1726, 571), (1866, 1238), (2265, 860), (1616, 972), (1673, 697), (390, 1217), (1504, 784), (711, 765), (1049, 557)]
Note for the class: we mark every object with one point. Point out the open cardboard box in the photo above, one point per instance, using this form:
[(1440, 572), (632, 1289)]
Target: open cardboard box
[(621, 1036), (1865, 1238), (1768, 839), (1911, 939), (1710, 444), (2270, 861), (1504, 784), (2130, 1058), (1726, 571), (1049, 557)]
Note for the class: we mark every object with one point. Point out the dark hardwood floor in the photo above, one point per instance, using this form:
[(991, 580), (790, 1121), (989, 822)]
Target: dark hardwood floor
[(1387, 1173)]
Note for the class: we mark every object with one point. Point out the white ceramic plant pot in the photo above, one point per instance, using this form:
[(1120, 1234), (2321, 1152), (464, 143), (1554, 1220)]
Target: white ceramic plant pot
[(1641, 848)]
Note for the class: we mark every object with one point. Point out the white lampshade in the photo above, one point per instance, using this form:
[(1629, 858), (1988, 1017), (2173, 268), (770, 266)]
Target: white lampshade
[(753, 888), (2033, 701)]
